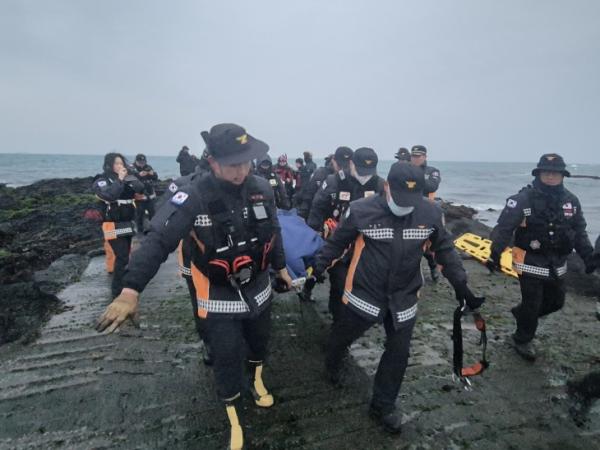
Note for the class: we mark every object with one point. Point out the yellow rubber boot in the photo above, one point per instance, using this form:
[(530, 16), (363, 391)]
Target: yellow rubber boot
[(262, 397), (236, 437)]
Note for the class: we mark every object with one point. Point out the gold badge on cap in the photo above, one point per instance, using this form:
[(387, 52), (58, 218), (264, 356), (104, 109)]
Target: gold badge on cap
[(368, 162), (411, 184), (550, 158), (243, 139)]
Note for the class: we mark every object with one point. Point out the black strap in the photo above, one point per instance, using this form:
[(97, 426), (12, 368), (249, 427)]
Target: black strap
[(460, 371)]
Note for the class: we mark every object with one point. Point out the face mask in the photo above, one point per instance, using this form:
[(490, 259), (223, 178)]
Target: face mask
[(362, 179), (399, 211)]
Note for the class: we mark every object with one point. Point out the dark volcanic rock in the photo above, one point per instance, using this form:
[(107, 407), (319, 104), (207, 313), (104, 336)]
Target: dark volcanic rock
[(23, 308), (39, 224)]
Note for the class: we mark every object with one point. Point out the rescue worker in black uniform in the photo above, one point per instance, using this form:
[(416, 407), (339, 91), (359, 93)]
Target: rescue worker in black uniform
[(388, 233), (116, 189), (264, 169), (144, 201), (547, 223), (232, 219), (418, 158), (357, 179), (402, 155), (314, 183), (187, 162)]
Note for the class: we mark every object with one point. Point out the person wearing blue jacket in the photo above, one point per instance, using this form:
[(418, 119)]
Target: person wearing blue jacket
[(300, 242)]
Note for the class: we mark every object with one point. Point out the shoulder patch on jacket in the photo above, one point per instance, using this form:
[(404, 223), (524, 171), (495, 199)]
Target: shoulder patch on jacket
[(173, 187), (101, 183), (179, 198), (511, 203)]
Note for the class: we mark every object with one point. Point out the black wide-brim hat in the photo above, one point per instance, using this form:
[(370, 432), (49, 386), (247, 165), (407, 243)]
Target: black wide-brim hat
[(551, 162), (229, 144), (406, 183)]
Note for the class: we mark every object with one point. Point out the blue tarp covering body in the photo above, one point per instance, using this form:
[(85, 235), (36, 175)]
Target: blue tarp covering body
[(300, 242)]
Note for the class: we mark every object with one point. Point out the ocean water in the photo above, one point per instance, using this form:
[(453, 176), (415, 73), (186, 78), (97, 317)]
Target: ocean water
[(480, 185)]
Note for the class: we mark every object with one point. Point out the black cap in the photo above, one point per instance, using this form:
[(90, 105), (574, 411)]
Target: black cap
[(229, 144), (402, 154), (140, 157), (342, 156), (406, 184), (418, 150), (185, 147), (365, 161), (551, 162)]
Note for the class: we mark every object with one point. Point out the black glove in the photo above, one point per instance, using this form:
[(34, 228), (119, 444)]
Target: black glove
[(464, 293), (493, 263), (309, 285), (279, 285)]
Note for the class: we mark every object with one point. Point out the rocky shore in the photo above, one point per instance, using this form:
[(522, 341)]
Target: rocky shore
[(48, 232), (62, 385)]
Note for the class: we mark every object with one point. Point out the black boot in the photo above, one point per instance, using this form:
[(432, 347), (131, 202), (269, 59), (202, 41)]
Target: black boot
[(391, 421)]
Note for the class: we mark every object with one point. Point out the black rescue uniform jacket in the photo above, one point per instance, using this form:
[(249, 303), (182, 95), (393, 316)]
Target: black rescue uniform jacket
[(235, 231), (548, 228), (385, 271), (281, 199), (335, 195), (184, 251), (148, 181), (117, 203), (310, 190), (432, 181)]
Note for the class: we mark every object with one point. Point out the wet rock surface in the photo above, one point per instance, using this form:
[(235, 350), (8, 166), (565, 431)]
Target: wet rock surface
[(147, 387), (39, 224)]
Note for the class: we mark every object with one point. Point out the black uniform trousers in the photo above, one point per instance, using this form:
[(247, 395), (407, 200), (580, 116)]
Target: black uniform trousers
[(430, 260), (233, 341), (392, 365), (199, 323), (337, 281), (141, 206), (121, 247), (540, 297)]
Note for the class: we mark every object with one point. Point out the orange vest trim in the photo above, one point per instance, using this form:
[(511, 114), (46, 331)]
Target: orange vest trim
[(202, 285), (359, 246)]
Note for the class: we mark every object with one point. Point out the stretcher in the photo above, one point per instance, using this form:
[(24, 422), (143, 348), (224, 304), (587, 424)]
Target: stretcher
[(480, 249)]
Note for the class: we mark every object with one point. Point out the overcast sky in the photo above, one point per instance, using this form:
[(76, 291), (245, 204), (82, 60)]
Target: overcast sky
[(482, 80)]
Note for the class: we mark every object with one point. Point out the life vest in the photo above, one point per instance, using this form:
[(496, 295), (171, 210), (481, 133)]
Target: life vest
[(348, 190), (546, 228), (233, 244)]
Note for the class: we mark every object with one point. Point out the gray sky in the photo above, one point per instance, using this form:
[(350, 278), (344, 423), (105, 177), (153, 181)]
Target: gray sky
[(481, 80)]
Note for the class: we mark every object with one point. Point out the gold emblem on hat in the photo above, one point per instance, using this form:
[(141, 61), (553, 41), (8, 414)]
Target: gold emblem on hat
[(550, 158), (411, 184), (368, 162), (243, 139)]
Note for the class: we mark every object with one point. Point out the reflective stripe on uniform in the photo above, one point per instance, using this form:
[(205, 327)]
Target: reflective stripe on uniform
[(378, 233), (223, 306), (111, 234), (361, 304), (407, 314), (185, 270), (264, 295), (416, 233), (533, 270), (560, 271)]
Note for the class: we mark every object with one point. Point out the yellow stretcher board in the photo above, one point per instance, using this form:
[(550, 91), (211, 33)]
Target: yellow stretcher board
[(480, 249)]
